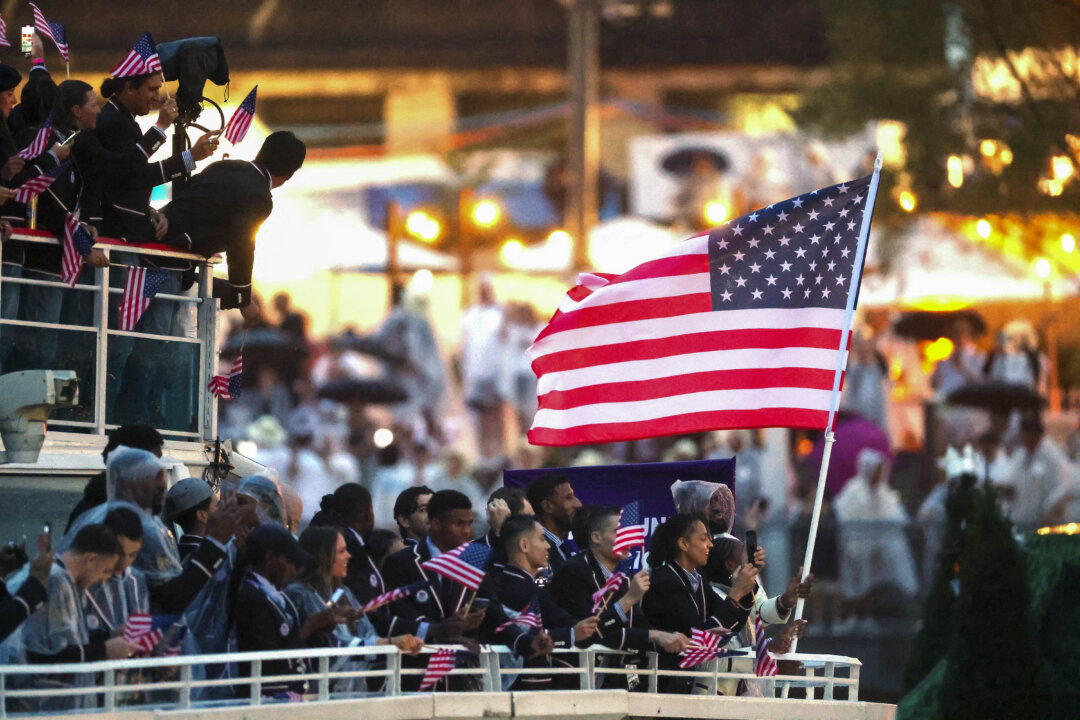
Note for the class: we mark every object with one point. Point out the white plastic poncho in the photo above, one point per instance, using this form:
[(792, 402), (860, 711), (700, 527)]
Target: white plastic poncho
[(874, 549), (713, 503)]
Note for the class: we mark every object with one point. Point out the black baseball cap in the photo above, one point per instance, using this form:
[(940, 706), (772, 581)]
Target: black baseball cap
[(275, 538)]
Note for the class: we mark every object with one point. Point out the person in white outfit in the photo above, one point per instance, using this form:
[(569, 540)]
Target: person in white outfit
[(874, 549)]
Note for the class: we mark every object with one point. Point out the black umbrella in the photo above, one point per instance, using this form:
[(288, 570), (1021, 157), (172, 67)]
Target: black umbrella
[(928, 325), (997, 396), (681, 162), (364, 390), (367, 345), (263, 341)]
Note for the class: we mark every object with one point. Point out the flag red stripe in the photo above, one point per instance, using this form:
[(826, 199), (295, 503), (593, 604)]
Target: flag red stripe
[(666, 267), (745, 379), (653, 348), (647, 309), (676, 424)]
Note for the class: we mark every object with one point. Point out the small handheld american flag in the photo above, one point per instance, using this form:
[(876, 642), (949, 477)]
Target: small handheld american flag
[(704, 646), (439, 666), (37, 185), (240, 121), (764, 665), (3, 34), (631, 532), (530, 616), (396, 594), (464, 564), (52, 30), (142, 59), (227, 387), (78, 243), (37, 146), (141, 287), (147, 631), (622, 572)]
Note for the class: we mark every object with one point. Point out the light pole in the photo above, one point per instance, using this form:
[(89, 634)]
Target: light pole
[(583, 154)]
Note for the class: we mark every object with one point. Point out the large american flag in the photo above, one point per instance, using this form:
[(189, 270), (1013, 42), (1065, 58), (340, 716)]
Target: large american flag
[(631, 532), (439, 666), (3, 34), (737, 327), (465, 564), (142, 59), (140, 288), (52, 30), (147, 631), (240, 121), (764, 665), (396, 594), (530, 616), (78, 242), (227, 387), (40, 141), (37, 185)]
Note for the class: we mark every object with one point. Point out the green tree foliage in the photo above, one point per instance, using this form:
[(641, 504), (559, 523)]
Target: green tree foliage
[(932, 642), (888, 61), (993, 669)]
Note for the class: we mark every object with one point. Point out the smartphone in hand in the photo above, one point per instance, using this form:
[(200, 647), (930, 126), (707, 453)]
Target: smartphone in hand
[(751, 546), (27, 40)]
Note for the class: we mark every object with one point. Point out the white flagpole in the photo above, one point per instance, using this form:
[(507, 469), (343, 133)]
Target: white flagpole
[(841, 363)]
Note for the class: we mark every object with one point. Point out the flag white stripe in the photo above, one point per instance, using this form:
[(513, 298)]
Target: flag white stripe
[(743, 359), (656, 288), (711, 401), (613, 333)]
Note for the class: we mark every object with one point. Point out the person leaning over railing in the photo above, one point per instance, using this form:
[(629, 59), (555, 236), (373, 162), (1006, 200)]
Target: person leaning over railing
[(221, 209), (314, 590), (573, 586), (679, 598)]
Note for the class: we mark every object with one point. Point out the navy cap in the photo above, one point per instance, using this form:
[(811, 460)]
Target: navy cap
[(9, 78), (272, 537)]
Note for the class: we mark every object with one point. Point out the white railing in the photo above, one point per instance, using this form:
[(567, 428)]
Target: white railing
[(102, 290), (109, 686)]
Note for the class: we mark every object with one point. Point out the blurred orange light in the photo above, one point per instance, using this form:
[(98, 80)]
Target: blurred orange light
[(982, 228), (955, 168), (1068, 243)]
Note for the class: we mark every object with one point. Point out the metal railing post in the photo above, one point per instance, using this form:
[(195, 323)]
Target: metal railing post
[(185, 686), (393, 675), (3, 695), (853, 688), (324, 681), (256, 682), (654, 664), (492, 679), (207, 324), (590, 668), (101, 367), (110, 690), (714, 668), (830, 675)]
